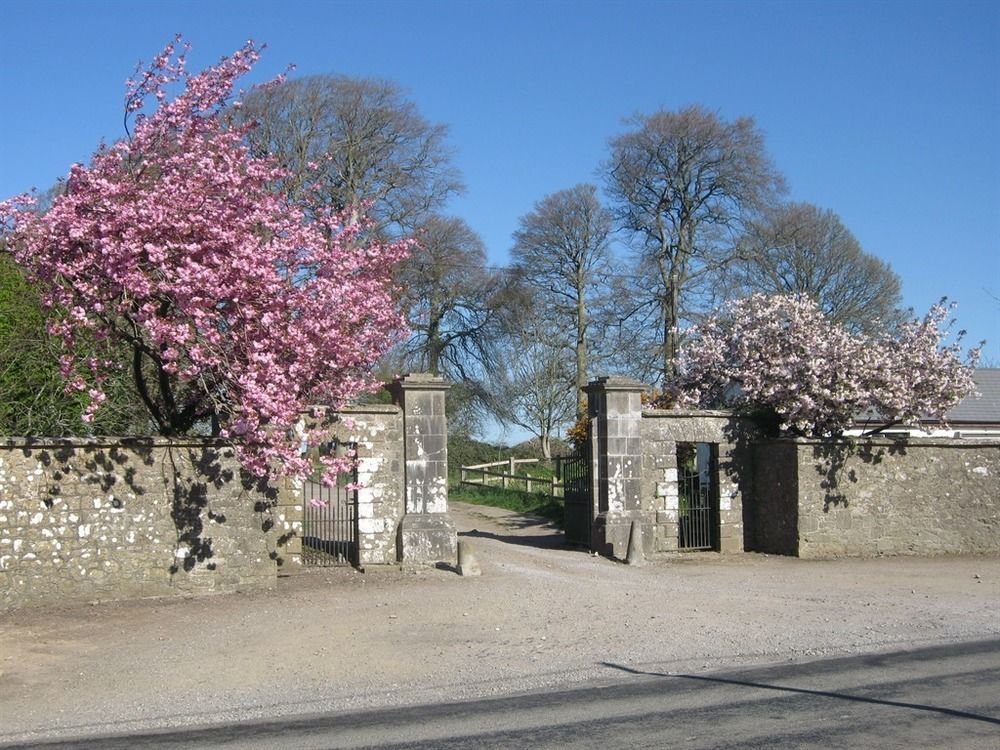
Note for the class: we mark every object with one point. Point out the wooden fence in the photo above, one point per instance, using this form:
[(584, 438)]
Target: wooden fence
[(503, 474)]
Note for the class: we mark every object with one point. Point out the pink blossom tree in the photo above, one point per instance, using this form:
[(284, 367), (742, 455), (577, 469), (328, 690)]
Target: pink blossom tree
[(239, 308), (780, 356)]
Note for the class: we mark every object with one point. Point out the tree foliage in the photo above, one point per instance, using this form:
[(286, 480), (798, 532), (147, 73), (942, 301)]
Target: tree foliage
[(35, 400), (349, 142), (683, 183), (238, 310), (455, 308), (531, 386), (798, 248), (781, 355), (561, 250), (452, 299)]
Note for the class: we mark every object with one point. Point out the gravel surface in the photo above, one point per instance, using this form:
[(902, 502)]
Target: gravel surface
[(541, 616)]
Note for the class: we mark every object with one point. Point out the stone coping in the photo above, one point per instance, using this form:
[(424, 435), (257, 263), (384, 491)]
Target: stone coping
[(689, 414), (360, 409), (419, 381), (159, 440), (113, 440), (614, 383), (888, 441)]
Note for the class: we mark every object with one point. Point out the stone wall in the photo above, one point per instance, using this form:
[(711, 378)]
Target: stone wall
[(878, 497), (122, 518), (116, 518), (376, 431), (402, 452), (810, 498), (615, 411), (775, 496), (662, 430), (426, 533), (634, 469)]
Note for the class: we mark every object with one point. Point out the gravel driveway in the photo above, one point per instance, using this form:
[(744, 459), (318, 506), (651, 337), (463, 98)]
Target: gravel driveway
[(540, 616)]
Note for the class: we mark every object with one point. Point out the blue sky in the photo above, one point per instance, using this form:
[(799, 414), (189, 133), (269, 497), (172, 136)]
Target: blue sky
[(887, 113)]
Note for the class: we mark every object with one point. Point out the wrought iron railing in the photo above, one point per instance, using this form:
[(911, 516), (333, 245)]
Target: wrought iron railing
[(694, 512), (329, 524)]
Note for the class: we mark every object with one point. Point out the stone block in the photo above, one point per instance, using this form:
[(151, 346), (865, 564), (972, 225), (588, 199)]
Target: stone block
[(427, 538), (730, 545)]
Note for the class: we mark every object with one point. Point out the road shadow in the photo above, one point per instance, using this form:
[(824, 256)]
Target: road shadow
[(522, 529), (541, 541), (807, 691)]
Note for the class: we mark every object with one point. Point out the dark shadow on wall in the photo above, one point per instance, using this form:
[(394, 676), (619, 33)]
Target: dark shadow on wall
[(192, 472), (265, 494), (193, 477), (202, 476), (831, 459), (742, 433), (104, 466)]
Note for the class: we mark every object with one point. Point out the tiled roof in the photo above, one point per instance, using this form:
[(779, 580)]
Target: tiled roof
[(985, 408)]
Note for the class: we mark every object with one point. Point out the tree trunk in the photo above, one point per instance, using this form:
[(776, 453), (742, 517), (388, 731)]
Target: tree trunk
[(581, 346), (670, 313), (434, 343), (545, 443)]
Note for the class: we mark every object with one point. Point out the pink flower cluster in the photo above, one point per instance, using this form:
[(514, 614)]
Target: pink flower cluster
[(174, 241), (781, 354)]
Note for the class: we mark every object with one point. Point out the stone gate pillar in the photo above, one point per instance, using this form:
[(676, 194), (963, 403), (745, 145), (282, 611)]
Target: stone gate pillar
[(615, 409), (426, 533)]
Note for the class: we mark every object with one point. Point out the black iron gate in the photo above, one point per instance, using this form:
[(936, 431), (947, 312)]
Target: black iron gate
[(329, 524), (697, 509), (576, 499)]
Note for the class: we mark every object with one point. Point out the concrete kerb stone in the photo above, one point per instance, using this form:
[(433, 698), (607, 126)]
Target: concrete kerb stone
[(635, 554), (468, 565)]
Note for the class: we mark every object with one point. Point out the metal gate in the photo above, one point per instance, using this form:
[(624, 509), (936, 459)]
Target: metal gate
[(697, 515), (329, 524), (576, 499)]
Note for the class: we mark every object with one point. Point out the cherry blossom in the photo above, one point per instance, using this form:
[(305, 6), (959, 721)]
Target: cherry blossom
[(779, 355), (240, 308)]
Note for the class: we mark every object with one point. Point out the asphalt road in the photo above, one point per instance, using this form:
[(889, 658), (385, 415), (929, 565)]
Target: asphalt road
[(939, 697)]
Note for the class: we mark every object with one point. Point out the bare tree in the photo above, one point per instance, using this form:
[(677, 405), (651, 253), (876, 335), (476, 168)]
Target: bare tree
[(367, 141), (369, 146), (561, 249), (453, 302), (683, 183), (533, 388), (799, 248)]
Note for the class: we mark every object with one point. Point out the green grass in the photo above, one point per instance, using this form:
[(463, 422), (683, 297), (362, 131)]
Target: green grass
[(535, 503)]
